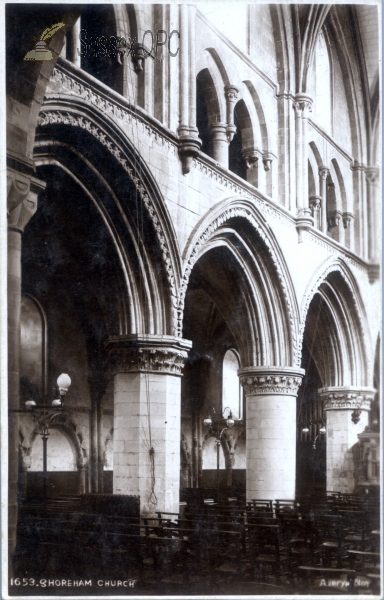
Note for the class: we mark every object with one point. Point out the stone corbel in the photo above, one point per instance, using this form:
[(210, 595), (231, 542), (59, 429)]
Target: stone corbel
[(304, 221), (22, 193), (139, 54), (251, 157), (347, 218), (373, 272), (189, 146), (334, 218), (231, 92), (267, 160)]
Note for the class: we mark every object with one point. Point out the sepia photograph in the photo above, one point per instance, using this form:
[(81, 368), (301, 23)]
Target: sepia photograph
[(191, 300)]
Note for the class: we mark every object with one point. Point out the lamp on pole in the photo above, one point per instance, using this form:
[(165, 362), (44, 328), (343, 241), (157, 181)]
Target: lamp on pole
[(217, 424), (322, 431), (44, 414)]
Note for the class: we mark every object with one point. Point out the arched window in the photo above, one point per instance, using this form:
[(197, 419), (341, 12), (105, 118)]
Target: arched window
[(232, 396), (98, 43), (321, 85), (61, 456), (236, 160), (202, 113), (33, 349)]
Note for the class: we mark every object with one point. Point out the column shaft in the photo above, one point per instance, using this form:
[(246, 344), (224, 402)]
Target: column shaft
[(372, 174), (299, 158), (192, 65), (323, 172), (100, 443), (146, 442), (343, 427), (146, 460), (183, 90), (220, 144), (94, 449), (14, 305), (271, 430), (21, 206)]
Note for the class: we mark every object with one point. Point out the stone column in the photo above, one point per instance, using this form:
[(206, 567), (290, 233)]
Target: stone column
[(100, 451), (146, 444), (372, 176), (302, 106), (231, 92), (323, 173), (220, 144), (22, 191), (94, 459), (347, 416), (271, 430), (189, 141)]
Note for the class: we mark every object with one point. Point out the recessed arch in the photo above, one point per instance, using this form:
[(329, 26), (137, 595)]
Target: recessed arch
[(234, 231), (72, 432), (332, 309), (72, 126)]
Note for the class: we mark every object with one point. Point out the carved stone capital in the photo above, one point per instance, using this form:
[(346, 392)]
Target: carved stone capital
[(231, 92), (304, 222), (347, 398), (148, 353), (303, 105), (372, 174), (189, 146), (323, 172), (231, 130), (22, 192), (347, 218), (259, 381), (314, 204)]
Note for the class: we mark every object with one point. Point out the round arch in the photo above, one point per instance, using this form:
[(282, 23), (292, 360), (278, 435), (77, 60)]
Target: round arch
[(333, 310), (71, 431), (78, 125), (263, 295)]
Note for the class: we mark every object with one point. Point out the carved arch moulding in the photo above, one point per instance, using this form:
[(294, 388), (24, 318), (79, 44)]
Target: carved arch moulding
[(75, 118), (337, 265), (206, 229)]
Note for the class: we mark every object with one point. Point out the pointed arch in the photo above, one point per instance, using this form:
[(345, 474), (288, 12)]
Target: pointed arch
[(260, 114), (265, 331), (341, 187), (68, 129), (71, 430), (338, 312)]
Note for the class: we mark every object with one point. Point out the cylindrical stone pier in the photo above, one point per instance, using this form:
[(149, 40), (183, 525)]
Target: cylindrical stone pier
[(271, 430), (343, 427), (146, 444)]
